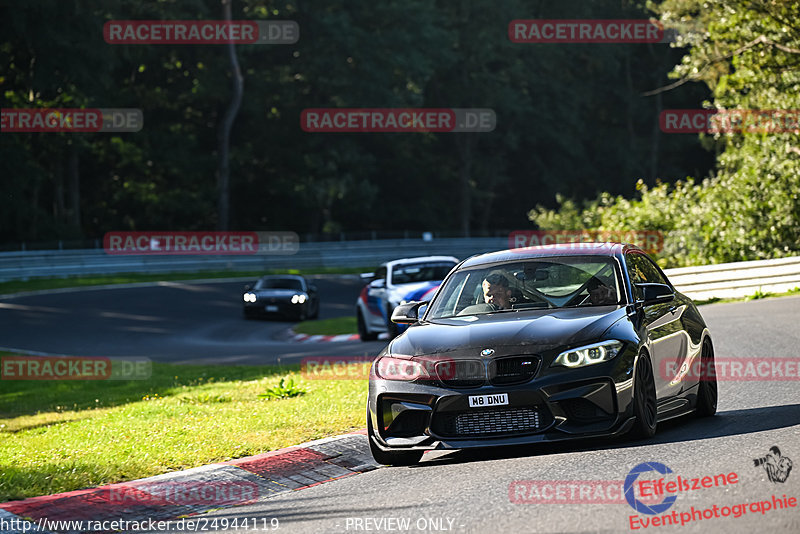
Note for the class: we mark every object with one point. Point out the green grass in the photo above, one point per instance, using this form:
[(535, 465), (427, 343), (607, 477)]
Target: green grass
[(17, 286), (63, 435), (328, 327), (755, 296)]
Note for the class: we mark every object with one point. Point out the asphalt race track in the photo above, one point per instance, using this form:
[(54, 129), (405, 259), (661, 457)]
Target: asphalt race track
[(477, 491), (170, 322), (469, 491)]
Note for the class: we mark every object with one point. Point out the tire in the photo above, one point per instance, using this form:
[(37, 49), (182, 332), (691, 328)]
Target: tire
[(644, 399), (707, 390), (303, 315), (397, 458), (362, 328), (316, 311), (391, 328)]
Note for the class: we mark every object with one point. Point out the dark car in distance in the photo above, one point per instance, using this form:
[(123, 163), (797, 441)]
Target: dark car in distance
[(285, 296), (536, 345)]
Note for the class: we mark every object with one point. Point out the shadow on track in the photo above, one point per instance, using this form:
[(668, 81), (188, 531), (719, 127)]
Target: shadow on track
[(683, 429)]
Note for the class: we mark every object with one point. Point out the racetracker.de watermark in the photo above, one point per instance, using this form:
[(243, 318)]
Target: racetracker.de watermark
[(336, 367), (200, 243), (730, 121), (182, 493), (386, 367), (147, 32), (570, 492), (398, 120), (651, 241), (731, 370), (74, 368), (586, 31), (60, 120)]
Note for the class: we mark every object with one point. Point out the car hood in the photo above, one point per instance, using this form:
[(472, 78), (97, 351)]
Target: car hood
[(539, 330)]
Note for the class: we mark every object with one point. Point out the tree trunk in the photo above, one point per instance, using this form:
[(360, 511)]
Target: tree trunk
[(223, 163), (74, 188), (464, 143)]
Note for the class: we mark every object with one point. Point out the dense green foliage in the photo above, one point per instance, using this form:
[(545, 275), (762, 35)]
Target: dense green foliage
[(571, 118), (748, 53)]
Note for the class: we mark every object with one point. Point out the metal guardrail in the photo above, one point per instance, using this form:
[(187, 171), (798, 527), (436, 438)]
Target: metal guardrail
[(733, 280), (59, 263), (726, 280)]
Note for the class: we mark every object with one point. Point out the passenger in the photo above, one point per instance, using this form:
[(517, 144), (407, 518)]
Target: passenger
[(496, 291)]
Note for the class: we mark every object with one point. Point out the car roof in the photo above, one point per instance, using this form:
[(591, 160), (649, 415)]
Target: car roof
[(543, 251), (281, 276), (421, 259)]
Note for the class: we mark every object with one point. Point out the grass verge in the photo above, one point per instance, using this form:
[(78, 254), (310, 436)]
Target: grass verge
[(328, 327), (755, 296), (64, 435), (18, 286)]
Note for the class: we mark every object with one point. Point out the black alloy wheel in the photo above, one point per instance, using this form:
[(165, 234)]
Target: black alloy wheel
[(644, 399), (707, 389)]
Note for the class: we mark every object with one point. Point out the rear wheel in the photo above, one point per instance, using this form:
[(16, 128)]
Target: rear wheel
[(707, 389), (362, 329), (644, 399), (390, 457)]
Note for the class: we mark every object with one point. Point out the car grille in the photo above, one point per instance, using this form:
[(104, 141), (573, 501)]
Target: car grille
[(516, 370), (488, 422), (502, 371)]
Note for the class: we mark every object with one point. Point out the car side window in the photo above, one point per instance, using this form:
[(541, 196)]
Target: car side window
[(641, 269)]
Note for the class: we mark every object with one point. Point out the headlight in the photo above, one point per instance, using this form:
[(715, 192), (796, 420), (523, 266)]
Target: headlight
[(589, 354), (298, 299), (390, 368), (249, 297)]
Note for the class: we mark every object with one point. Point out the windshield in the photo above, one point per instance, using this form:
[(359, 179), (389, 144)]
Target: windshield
[(421, 272), (279, 283), (542, 283)]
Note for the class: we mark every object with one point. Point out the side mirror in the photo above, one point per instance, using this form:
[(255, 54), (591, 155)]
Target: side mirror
[(312, 288), (380, 282), (655, 293), (407, 313)]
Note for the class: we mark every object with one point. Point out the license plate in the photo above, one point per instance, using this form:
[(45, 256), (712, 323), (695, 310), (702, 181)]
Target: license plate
[(482, 401), (271, 308)]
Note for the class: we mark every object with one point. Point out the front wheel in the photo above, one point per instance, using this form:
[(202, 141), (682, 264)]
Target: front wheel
[(707, 388), (644, 399), (362, 328), (390, 457)]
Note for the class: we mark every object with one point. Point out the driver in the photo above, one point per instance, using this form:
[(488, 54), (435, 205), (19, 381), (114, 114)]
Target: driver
[(496, 291)]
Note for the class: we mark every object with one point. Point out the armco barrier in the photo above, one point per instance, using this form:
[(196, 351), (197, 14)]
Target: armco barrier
[(741, 279), (725, 280), (368, 253)]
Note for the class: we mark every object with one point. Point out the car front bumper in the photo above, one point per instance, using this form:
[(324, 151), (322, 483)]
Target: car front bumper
[(567, 404)]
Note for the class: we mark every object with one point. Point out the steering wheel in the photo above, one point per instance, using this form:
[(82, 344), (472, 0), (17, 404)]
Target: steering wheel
[(595, 283)]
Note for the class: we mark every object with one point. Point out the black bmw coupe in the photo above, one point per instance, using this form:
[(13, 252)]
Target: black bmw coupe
[(540, 344), (287, 296)]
